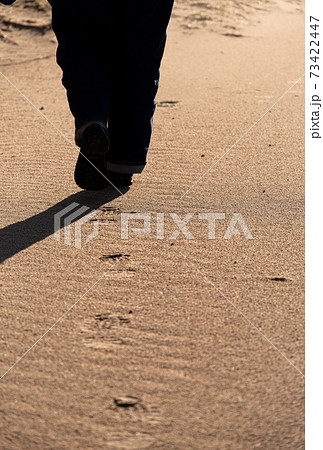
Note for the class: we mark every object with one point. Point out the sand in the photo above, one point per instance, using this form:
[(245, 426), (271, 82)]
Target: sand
[(177, 344)]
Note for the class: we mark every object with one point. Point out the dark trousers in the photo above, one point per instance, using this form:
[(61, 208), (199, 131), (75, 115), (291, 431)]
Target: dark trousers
[(110, 53)]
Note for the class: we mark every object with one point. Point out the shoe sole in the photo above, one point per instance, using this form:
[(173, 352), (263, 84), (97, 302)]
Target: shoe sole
[(91, 164)]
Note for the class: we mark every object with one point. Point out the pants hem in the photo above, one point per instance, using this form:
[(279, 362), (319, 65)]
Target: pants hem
[(80, 131), (125, 168)]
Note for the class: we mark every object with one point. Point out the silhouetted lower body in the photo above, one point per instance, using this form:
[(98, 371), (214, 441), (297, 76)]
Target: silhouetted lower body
[(110, 53)]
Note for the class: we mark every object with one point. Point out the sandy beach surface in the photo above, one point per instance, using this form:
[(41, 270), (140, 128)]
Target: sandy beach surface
[(159, 343)]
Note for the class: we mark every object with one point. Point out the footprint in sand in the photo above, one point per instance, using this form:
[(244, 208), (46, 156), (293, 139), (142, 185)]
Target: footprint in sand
[(105, 330), (126, 401), (114, 256), (283, 279), (167, 103)]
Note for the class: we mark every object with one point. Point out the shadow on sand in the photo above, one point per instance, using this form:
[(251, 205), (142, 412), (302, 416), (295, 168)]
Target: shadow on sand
[(21, 235)]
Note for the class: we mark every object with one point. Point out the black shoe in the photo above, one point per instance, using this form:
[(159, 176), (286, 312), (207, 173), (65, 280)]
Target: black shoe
[(90, 169), (119, 179)]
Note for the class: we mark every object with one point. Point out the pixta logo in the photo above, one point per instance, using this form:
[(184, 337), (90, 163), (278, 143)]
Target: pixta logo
[(76, 215)]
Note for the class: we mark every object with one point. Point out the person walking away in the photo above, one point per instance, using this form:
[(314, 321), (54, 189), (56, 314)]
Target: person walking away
[(110, 53)]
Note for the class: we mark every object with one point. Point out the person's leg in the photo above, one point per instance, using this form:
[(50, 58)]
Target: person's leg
[(135, 77), (81, 28)]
